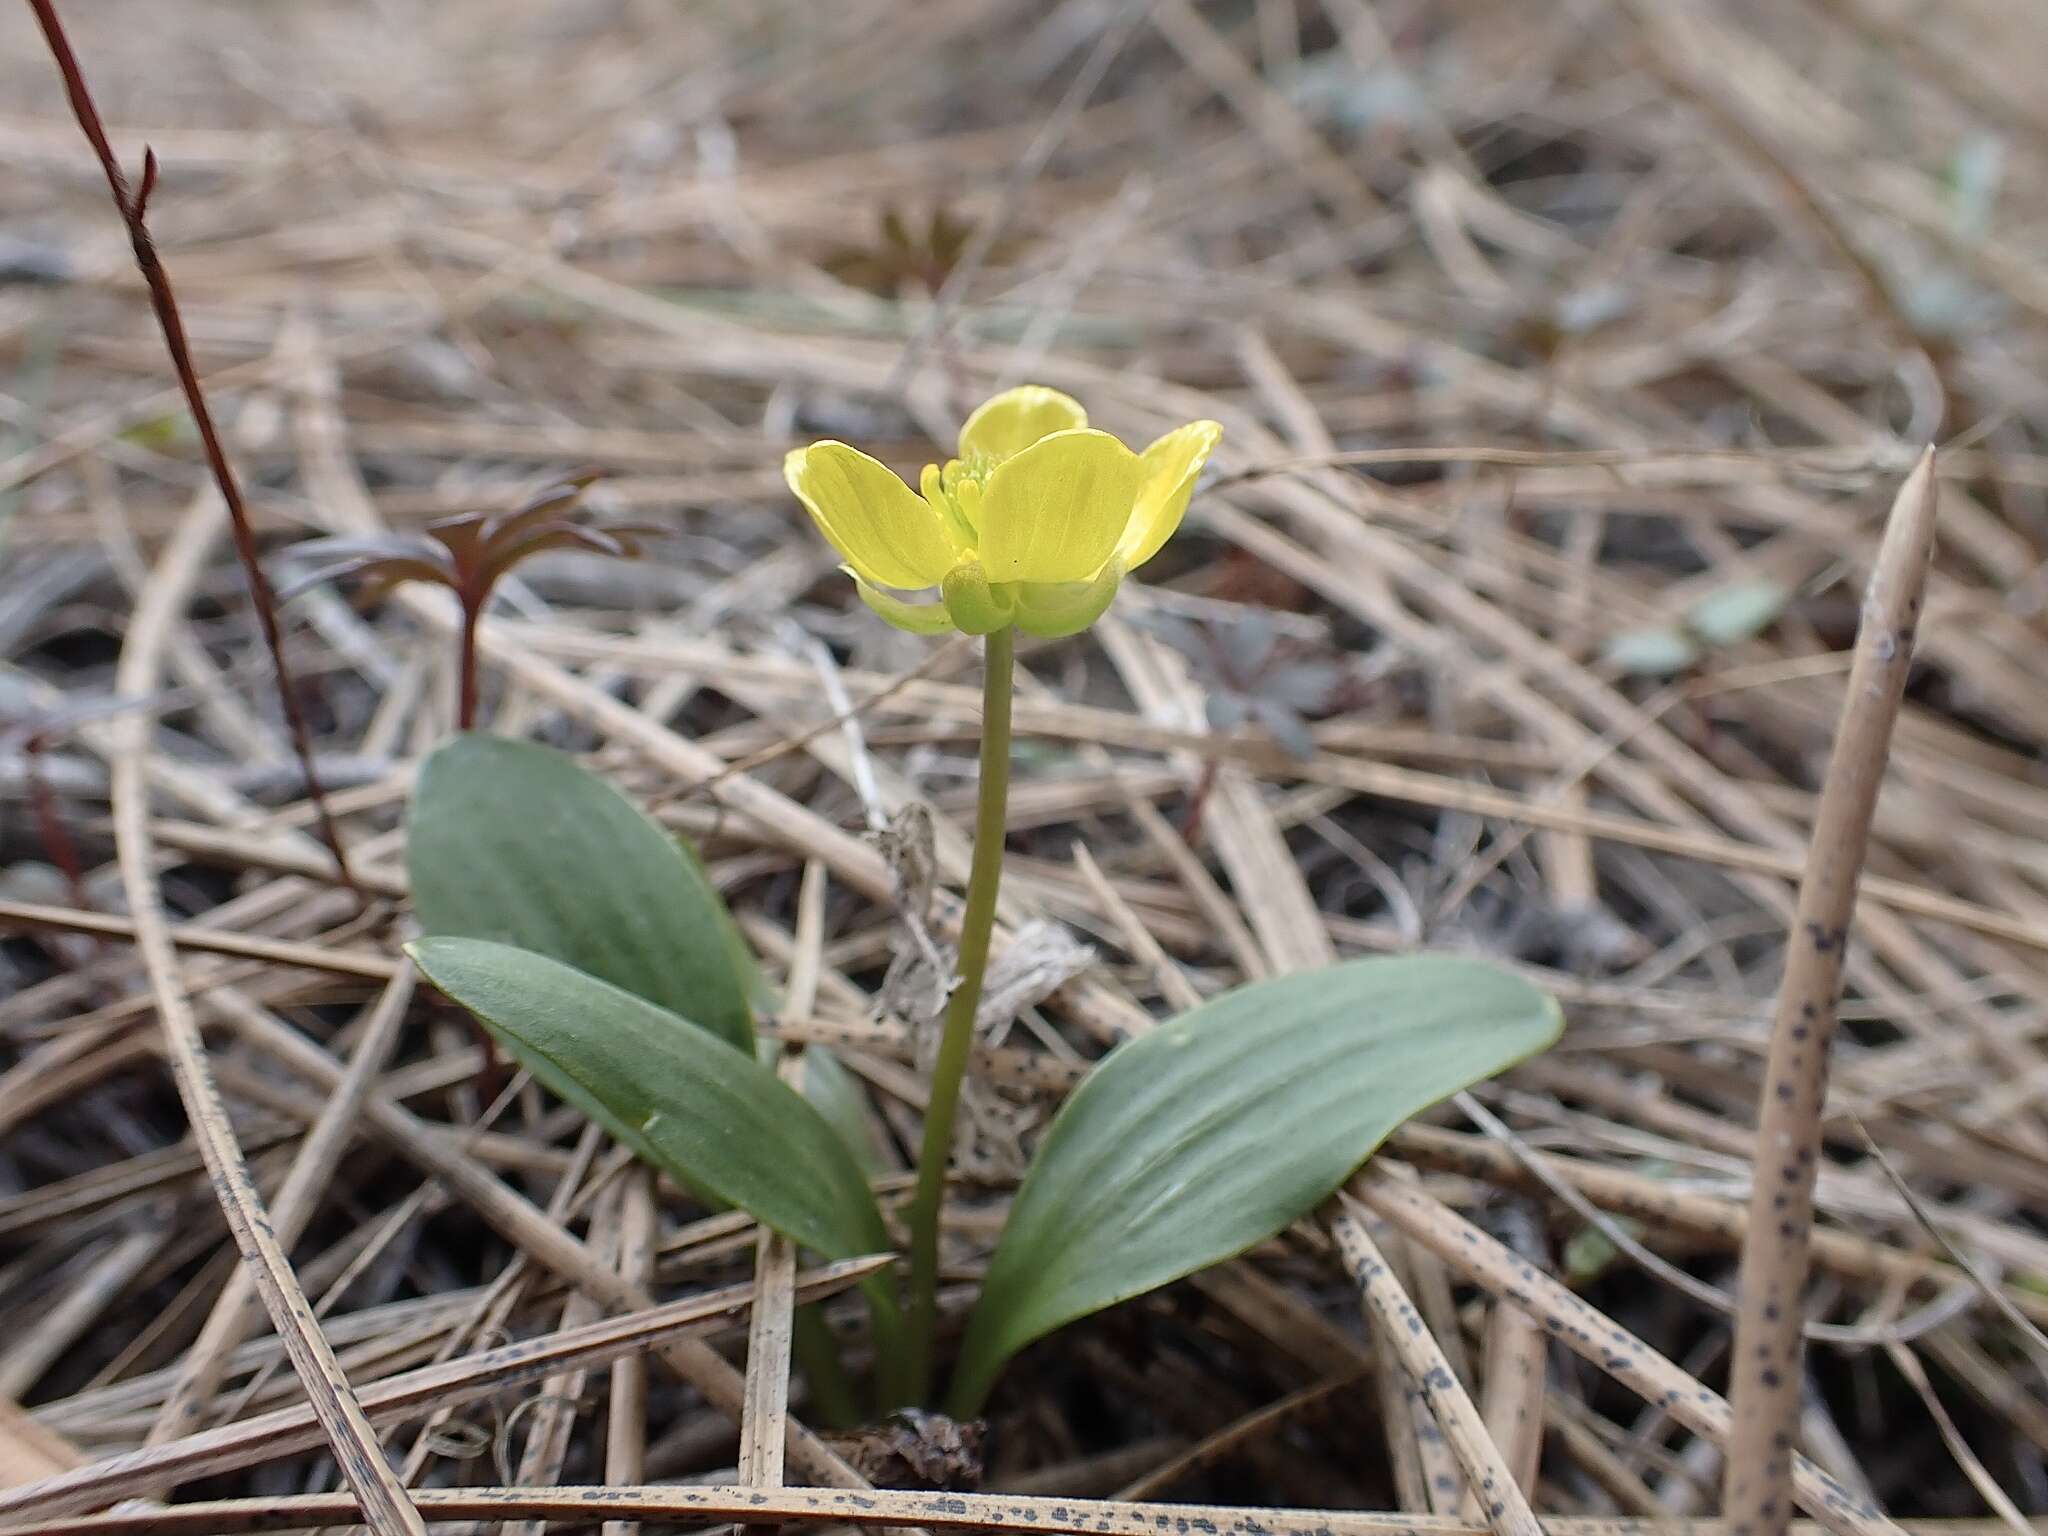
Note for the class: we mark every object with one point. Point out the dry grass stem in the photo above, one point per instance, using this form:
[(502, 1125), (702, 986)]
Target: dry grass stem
[(1502, 1503), (1768, 1372)]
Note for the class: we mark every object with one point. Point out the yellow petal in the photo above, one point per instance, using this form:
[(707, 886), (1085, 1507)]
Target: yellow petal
[(1055, 511), (888, 533), (1054, 609), (1170, 466), (1017, 418), (916, 618)]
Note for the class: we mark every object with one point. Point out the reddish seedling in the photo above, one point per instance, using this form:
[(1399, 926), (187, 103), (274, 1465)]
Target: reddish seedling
[(469, 553)]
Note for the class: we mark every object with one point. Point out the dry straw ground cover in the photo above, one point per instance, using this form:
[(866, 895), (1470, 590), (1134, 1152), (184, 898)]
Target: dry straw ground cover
[(1572, 363)]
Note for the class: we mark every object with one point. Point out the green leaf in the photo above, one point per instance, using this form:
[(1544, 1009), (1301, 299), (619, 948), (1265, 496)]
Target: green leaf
[(1740, 611), (837, 1095), (682, 1098), (1651, 652), (756, 993), (1214, 1132), (517, 843)]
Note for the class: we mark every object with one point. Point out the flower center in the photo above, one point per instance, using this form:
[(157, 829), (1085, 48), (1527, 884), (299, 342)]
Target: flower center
[(955, 493)]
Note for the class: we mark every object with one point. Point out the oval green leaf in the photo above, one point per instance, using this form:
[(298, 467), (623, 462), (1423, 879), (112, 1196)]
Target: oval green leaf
[(517, 843), (687, 1101), (1214, 1132)]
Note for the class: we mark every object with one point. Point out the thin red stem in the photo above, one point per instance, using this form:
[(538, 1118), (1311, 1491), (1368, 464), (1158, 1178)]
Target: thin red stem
[(472, 613), (133, 209), (490, 1074), (56, 837)]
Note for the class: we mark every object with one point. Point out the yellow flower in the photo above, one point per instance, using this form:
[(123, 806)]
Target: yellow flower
[(1034, 524)]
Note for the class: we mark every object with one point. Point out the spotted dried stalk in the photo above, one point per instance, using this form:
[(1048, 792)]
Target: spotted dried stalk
[(1764, 1381)]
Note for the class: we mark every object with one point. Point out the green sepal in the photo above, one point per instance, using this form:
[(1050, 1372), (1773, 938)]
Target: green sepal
[(1053, 609), (977, 606), (914, 618)]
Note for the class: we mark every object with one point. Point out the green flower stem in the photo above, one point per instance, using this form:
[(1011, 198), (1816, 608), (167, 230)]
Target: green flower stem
[(832, 1403), (983, 881)]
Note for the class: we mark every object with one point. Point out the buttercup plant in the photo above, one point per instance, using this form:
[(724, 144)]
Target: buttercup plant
[(1034, 525), (594, 946)]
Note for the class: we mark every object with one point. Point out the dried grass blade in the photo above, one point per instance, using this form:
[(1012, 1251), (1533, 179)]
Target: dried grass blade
[(1502, 1503), (625, 1440), (1592, 1335), (288, 1430), (548, 1244), (297, 1200), (385, 1505)]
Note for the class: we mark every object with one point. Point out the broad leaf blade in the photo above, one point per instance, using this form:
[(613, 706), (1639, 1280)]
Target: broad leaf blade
[(1214, 1132), (514, 842), (837, 1095), (680, 1097)]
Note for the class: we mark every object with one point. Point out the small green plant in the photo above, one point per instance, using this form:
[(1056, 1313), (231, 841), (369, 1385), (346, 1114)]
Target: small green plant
[(469, 554), (1726, 616), (901, 257), (593, 945)]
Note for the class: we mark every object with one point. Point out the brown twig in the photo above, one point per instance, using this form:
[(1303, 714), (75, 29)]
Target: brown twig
[(134, 209), (1764, 1385)]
